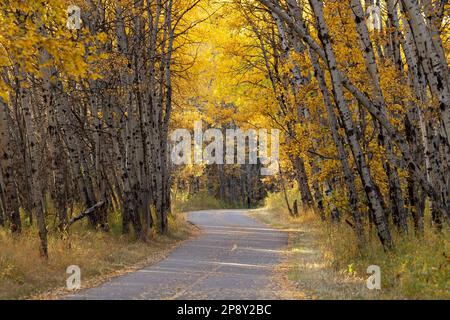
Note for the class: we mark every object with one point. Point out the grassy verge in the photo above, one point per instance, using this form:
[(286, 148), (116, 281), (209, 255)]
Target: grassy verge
[(23, 274), (323, 261)]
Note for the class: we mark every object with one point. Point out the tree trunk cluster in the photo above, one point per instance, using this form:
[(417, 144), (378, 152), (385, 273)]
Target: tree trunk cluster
[(98, 140), (300, 52)]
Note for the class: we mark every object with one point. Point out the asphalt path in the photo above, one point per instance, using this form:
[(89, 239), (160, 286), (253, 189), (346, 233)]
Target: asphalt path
[(233, 259)]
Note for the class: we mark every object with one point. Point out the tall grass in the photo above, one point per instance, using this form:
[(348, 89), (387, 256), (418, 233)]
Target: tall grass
[(98, 254), (418, 268)]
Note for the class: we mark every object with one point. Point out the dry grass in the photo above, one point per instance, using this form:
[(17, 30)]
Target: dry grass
[(306, 271), (23, 274), (418, 268), (323, 261)]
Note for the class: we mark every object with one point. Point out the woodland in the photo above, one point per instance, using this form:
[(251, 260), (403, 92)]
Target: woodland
[(359, 89)]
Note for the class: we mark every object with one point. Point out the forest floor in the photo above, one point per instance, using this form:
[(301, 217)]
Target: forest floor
[(322, 261), (100, 256)]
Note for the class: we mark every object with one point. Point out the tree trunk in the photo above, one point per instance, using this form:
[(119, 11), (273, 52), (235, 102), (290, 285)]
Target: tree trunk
[(366, 178), (11, 202)]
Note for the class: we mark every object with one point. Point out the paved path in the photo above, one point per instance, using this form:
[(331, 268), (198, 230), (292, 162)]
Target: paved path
[(233, 258)]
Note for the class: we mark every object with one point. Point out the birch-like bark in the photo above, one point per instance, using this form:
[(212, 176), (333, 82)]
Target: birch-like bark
[(395, 191), (432, 60), (342, 152), (52, 92), (35, 179), (131, 184), (369, 186), (394, 33), (297, 161), (2, 201), (11, 201), (408, 160)]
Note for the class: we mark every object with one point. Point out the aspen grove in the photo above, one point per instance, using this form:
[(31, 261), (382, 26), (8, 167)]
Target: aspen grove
[(364, 107), (85, 113), (360, 96)]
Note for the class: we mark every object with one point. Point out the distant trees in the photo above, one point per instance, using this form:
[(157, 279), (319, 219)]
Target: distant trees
[(240, 185)]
